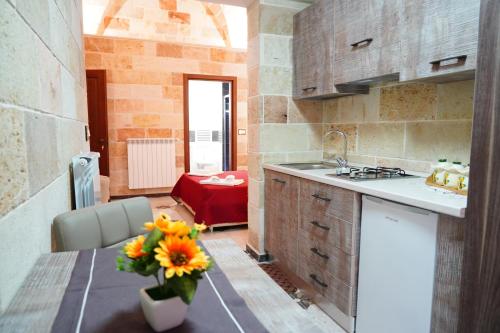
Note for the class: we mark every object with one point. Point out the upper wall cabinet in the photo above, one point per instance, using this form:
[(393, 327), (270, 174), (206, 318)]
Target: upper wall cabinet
[(440, 39), (313, 51), (367, 39)]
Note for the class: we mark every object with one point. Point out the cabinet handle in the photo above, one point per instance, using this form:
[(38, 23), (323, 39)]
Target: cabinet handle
[(321, 226), (318, 281), (316, 252), (366, 41), (319, 197), (460, 61), (277, 180), (309, 88)]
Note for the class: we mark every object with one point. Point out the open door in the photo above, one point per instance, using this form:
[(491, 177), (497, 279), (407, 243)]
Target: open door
[(98, 117), (209, 123)]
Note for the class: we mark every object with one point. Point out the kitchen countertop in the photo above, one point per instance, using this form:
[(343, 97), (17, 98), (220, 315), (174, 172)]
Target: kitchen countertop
[(409, 191)]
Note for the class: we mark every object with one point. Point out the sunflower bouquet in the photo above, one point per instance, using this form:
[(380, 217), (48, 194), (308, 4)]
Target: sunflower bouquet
[(169, 253)]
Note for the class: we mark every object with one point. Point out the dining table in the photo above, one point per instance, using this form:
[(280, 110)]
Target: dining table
[(82, 291)]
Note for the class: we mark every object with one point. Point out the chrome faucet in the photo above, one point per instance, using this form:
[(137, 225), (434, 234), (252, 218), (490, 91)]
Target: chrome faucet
[(342, 161)]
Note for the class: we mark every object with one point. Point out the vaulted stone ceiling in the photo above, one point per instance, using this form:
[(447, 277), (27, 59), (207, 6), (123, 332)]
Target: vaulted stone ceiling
[(187, 21)]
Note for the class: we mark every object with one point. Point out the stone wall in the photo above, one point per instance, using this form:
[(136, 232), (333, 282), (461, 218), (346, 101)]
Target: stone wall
[(279, 128), (145, 94), (404, 125), (42, 117)]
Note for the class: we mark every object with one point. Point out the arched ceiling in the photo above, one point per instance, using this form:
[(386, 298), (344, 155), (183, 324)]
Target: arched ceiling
[(187, 21)]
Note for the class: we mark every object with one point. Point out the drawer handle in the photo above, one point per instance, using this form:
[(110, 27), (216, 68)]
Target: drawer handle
[(309, 88), (436, 64), (317, 224), (318, 281), (277, 180), (316, 252), (365, 42), (319, 197)]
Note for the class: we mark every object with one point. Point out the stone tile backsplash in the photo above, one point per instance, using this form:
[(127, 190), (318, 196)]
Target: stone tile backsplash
[(408, 125)]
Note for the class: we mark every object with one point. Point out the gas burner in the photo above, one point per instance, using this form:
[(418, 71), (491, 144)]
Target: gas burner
[(370, 173)]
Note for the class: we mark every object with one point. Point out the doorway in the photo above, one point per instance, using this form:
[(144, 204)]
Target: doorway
[(98, 117), (209, 123)]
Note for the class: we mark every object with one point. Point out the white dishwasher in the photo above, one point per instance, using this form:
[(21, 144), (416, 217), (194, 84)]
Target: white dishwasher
[(396, 268)]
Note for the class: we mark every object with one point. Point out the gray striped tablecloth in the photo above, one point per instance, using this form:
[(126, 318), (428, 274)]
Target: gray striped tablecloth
[(100, 299)]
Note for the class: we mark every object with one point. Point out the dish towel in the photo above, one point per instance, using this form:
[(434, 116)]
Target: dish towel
[(228, 181)]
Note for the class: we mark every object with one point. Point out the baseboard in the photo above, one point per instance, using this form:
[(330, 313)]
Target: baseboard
[(149, 195), (256, 255)]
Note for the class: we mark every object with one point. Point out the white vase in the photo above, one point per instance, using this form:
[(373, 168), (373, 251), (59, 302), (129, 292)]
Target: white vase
[(163, 314)]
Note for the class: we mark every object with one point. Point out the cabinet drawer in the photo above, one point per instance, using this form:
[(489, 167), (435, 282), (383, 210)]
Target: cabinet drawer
[(331, 230), (332, 288), (320, 199), (324, 257)]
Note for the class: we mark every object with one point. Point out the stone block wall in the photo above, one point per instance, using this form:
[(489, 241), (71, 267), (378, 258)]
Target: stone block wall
[(279, 128), (145, 94), (42, 117)]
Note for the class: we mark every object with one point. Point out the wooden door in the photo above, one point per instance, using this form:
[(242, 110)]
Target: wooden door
[(281, 218), (367, 39), (98, 117), (313, 51), (439, 39)]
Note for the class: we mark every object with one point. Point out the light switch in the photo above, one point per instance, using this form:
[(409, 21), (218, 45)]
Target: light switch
[(242, 131)]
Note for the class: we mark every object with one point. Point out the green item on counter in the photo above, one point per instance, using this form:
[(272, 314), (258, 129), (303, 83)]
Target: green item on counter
[(442, 160), (458, 163)]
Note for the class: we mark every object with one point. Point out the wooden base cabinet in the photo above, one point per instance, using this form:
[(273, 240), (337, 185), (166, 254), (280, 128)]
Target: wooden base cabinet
[(312, 230), (281, 228)]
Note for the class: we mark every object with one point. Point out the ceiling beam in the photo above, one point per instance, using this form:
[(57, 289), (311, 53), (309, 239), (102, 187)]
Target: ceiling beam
[(110, 11)]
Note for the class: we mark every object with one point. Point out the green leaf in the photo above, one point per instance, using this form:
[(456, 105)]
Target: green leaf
[(194, 233), (152, 240), (184, 286), (150, 269)]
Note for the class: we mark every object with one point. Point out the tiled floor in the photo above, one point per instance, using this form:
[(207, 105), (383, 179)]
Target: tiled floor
[(168, 205)]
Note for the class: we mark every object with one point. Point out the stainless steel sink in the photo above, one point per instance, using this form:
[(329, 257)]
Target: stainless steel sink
[(310, 165)]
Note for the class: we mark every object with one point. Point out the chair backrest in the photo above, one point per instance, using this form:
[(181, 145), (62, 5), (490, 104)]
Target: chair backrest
[(102, 225)]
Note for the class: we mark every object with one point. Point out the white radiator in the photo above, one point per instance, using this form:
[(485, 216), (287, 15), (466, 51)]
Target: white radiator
[(151, 163)]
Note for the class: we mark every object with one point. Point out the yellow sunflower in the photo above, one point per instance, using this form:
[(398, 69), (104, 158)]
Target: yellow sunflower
[(133, 249), (161, 222), (180, 255), (168, 227), (200, 227)]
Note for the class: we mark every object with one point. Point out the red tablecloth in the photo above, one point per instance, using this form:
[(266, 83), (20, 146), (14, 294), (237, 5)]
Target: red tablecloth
[(214, 204)]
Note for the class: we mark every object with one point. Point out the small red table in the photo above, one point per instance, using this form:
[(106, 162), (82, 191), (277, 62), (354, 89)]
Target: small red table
[(214, 204)]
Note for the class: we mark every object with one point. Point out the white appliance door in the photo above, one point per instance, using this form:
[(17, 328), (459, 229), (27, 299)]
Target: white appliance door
[(396, 268)]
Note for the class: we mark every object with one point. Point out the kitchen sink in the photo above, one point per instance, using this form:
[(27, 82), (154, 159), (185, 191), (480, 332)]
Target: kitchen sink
[(310, 166)]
